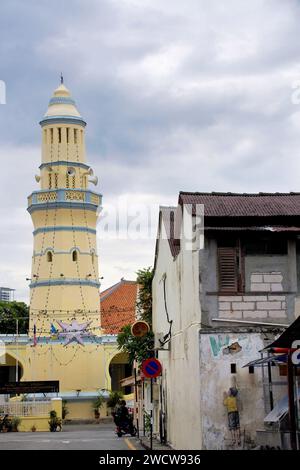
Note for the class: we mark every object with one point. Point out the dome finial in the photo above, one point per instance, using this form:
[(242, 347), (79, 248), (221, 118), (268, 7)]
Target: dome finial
[(61, 78)]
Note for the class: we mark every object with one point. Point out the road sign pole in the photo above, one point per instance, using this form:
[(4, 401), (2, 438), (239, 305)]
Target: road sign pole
[(151, 414)]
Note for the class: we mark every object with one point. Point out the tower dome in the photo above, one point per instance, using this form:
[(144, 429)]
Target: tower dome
[(62, 108)]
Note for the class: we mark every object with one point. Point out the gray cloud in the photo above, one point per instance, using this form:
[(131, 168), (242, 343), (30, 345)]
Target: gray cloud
[(191, 95)]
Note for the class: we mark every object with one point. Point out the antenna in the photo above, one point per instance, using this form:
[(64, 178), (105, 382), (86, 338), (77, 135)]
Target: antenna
[(61, 78)]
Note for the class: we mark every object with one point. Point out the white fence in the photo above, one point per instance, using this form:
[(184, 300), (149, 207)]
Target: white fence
[(26, 408)]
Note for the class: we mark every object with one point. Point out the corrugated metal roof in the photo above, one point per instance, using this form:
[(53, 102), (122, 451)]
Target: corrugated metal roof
[(245, 204)]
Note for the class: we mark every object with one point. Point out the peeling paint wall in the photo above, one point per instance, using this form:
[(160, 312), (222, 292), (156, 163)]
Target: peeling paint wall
[(216, 377)]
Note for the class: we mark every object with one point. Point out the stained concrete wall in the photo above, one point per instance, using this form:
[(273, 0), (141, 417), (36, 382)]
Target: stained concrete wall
[(271, 280), (216, 377), (181, 369)]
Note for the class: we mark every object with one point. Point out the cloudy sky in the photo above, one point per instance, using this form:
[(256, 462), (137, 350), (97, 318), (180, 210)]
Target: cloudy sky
[(190, 95)]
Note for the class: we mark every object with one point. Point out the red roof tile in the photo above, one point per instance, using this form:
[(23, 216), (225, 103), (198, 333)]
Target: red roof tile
[(118, 306), (245, 205)]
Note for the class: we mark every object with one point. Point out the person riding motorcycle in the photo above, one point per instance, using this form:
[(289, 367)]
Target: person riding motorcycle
[(123, 420)]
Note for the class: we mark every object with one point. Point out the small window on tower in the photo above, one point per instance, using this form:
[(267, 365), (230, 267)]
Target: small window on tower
[(67, 181), (49, 256), (68, 130), (51, 136), (45, 136), (75, 136), (74, 255), (50, 180), (56, 180), (93, 256), (59, 135), (73, 181)]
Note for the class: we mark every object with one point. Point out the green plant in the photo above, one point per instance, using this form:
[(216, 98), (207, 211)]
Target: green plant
[(10, 312), (54, 422), (96, 405), (140, 348), (114, 398), (147, 419), (65, 409), (33, 428), (15, 423)]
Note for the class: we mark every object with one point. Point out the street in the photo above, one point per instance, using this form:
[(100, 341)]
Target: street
[(73, 437)]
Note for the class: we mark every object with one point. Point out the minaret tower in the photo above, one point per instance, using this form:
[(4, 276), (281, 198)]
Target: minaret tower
[(64, 281)]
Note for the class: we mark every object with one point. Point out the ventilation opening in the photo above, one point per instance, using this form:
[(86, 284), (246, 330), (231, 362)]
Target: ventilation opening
[(49, 256), (74, 255), (233, 368)]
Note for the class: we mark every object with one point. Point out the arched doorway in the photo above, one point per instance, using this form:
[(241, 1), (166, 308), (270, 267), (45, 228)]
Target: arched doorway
[(118, 370), (11, 370)]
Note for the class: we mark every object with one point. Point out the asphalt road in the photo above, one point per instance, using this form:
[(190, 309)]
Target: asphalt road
[(73, 437)]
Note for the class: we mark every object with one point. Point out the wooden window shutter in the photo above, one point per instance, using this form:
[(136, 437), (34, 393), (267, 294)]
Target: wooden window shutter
[(228, 269)]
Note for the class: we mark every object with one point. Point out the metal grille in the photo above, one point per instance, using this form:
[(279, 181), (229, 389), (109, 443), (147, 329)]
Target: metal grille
[(26, 408)]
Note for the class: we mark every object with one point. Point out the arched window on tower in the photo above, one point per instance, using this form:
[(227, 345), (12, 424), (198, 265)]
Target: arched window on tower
[(74, 255), (93, 256), (49, 256)]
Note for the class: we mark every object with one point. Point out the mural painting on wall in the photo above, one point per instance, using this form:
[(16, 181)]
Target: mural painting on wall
[(224, 345)]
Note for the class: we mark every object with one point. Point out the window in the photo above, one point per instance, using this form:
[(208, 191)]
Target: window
[(228, 269), (233, 368), (251, 369), (51, 136), (75, 136), (266, 246), (56, 180), (45, 136), (59, 134), (50, 180), (73, 181), (67, 181), (74, 255), (68, 131), (49, 256), (93, 256)]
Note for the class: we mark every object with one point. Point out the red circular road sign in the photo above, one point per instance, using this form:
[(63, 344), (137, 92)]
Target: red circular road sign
[(151, 368)]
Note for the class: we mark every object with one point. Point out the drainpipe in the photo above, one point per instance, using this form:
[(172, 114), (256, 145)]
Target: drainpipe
[(291, 395)]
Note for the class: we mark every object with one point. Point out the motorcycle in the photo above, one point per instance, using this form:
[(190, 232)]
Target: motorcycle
[(124, 426)]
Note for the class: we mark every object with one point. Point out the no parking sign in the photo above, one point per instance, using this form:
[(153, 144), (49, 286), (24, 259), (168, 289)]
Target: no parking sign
[(151, 368)]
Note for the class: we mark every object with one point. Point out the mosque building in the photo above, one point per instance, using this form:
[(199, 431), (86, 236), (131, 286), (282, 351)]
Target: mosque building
[(65, 341)]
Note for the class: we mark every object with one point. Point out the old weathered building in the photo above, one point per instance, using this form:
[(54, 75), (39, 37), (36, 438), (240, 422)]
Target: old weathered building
[(218, 299)]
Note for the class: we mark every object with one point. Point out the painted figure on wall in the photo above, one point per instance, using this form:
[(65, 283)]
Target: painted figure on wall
[(230, 401)]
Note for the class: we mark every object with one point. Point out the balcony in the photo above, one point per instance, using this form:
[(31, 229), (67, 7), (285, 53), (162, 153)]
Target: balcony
[(69, 198)]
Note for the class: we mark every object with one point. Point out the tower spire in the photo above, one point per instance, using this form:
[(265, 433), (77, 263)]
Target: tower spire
[(61, 78)]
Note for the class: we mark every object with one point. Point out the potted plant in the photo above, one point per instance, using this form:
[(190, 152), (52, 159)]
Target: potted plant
[(54, 422), (33, 428), (15, 422), (65, 409), (114, 398), (96, 405)]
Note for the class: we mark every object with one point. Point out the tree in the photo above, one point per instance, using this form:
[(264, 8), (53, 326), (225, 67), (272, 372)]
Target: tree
[(10, 312), (144, 302), (140, 348)]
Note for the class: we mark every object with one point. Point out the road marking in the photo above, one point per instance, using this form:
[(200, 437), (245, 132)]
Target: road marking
[(65, 442), (129, 444)]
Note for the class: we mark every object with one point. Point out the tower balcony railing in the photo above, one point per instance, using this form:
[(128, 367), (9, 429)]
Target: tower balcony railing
[(64, 197)]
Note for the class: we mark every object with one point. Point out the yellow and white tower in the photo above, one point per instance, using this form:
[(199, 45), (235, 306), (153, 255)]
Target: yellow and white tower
[(65, 281)]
